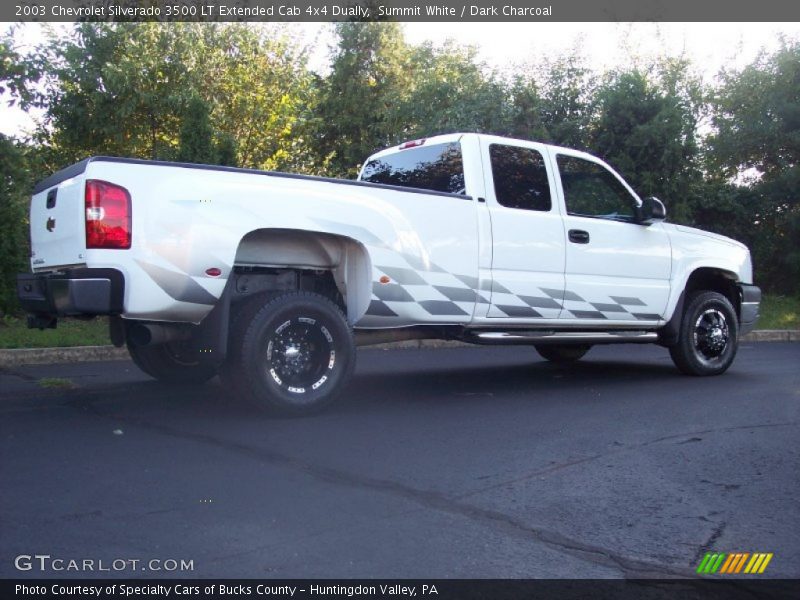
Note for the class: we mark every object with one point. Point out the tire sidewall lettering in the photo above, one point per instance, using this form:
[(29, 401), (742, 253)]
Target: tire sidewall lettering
[(687, 354), (328, 376)]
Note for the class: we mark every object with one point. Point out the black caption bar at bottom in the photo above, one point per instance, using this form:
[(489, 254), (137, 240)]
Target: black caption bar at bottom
[(439, 589)]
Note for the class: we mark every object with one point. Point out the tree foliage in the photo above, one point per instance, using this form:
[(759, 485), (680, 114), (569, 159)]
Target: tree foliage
[(647, 129), (382, 91), (368, 79), (757, 116), (196, 141), (14, 183), (449, 90), (554, 101), (724, 157), (756, 113), (122, 89), (18, 74)]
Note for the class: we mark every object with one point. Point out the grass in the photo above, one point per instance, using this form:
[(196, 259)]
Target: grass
[(777, 312), (14, 333), (56, 383)]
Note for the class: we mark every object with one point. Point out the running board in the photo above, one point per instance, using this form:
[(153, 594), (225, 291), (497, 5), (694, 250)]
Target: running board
[(562, 337)]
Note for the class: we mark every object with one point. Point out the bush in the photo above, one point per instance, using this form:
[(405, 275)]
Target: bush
[(14, 244)]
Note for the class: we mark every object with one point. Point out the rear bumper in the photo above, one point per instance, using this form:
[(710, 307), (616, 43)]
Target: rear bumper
[(749, 313), (73, 292)]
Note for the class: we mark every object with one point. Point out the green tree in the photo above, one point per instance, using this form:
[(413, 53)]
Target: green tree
[(756, 115), (647, 131), (525, 118), (196, 136), (226, 150), (369, 78), (264, 97), (552, 101), (116, 89), (450, 91), (121, 89), (567, 108), (14, 184), (17, 75)]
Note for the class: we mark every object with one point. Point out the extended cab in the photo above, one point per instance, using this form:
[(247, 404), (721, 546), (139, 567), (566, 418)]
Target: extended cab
[(272, 279)]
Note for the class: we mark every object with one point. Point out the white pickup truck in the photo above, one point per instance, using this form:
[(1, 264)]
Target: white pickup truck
[(270, 279)]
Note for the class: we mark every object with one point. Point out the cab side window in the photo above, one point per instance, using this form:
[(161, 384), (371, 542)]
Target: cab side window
[(520, 177), (591, 190)]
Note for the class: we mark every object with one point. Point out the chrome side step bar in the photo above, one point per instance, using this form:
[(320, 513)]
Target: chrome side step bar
[(562, 337)]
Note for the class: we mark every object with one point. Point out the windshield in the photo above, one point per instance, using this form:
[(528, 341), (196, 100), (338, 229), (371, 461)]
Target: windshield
[(438, 167)]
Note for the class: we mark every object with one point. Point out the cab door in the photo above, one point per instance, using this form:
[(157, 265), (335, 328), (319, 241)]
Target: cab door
[(527, 232), (616, 268)]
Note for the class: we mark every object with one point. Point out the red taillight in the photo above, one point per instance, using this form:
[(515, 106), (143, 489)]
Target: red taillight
[(108, 215), (412, 144)]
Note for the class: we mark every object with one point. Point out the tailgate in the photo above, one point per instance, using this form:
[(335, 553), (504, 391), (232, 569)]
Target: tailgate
[(58, 227)]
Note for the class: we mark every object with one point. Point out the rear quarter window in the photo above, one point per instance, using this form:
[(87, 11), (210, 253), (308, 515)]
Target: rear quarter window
[(439, 168), (520, 178)]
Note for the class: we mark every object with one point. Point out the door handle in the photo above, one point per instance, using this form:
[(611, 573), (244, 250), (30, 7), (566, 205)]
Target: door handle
[(578, 236)]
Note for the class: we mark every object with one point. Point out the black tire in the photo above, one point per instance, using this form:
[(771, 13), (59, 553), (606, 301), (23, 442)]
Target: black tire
[(708, 337), (240, 321), (562, 353), (292, 355), (165, 363)]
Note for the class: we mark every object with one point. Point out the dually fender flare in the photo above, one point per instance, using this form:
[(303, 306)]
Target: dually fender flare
[(347, 258)]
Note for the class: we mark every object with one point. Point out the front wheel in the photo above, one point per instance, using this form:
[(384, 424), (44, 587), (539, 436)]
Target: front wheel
[(291, 356), (708, 337), (562, 353)]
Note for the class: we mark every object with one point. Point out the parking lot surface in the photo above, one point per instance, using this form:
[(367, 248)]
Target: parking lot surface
[(455, 463)]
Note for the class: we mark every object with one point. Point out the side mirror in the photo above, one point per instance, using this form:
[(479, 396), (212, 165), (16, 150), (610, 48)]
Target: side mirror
[(651, 211)]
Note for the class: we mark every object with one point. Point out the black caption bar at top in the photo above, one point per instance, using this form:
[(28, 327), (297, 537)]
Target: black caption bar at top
[(530, 11)]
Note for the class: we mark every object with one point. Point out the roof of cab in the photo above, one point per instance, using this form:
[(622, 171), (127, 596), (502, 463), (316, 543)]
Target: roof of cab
[(437, 139), (455, 137)]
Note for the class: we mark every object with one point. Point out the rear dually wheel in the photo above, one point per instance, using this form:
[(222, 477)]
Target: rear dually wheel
[(171, 363), (292, 355)]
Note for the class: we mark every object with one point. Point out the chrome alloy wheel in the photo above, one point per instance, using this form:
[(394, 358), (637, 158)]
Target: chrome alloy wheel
[(711, 334), (300, 355)]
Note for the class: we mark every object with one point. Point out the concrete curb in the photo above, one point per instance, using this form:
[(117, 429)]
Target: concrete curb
[(773, 335), (50, 356), (40, 356)]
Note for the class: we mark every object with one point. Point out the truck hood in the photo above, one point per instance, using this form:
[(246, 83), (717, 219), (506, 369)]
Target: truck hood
[(707, 234), (694, 248)]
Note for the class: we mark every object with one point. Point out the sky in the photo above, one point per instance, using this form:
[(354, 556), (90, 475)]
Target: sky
[(710, 46)]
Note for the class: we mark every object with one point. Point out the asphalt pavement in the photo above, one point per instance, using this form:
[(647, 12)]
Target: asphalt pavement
[(450, 463)]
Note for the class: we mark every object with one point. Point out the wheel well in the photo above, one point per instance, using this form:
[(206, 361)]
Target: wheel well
[(274, 260), (715, 280), (704, 278), (267, 282)]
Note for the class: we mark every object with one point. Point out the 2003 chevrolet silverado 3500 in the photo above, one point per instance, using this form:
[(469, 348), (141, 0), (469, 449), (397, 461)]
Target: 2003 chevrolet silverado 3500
[(272, 279)]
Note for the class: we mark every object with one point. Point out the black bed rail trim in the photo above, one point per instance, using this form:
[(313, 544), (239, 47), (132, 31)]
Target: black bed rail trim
[(62, 175), (80, 167)]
